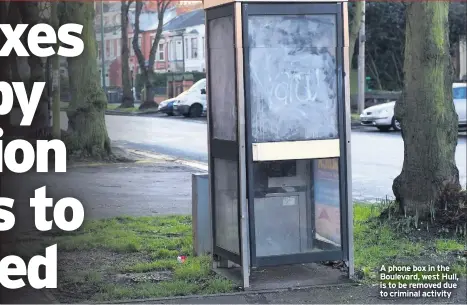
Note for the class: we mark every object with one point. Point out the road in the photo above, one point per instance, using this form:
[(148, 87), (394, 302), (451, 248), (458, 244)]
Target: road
[(376, 157)]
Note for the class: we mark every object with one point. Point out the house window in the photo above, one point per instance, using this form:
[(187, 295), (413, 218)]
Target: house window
[(130, 46), (161, 52), (168, 51), (172, 49), (194, 47), (107, 48), (179, 50), (113, 49), (186, 48), (204, 49)]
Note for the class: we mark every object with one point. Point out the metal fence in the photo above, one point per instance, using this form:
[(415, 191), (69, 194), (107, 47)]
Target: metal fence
[(159, 90), (114, 96)]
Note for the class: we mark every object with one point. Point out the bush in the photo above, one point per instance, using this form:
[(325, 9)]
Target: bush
[(160, 79)]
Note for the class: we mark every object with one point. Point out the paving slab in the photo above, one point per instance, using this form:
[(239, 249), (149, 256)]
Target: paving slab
[(342, 294), (288, 276), (26, 295)]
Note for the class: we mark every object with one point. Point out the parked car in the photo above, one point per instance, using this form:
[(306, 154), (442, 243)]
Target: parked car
[(167, 107), (382, 116), (459, 94), (192, 102)]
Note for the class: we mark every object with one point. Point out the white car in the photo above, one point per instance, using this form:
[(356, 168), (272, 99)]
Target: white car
[(382, 116), (192, 102), (459, 94)]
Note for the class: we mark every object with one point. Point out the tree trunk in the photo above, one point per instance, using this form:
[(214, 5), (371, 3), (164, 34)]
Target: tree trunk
[(148, 101), (5, 124), (87, 131), (127, 99), (426, 113), (374, 71), (140, 57), (14, 18), (30, 15), (56, 128), (148, 69), (400, 83), (355, 27)]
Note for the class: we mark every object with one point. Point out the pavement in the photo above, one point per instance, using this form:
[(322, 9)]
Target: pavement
[(26, 296), (377, 157), (149, 187), (328, 294)]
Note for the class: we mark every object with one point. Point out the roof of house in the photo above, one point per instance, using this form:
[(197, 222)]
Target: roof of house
[(148, 21), (192, 18), (112, 7)]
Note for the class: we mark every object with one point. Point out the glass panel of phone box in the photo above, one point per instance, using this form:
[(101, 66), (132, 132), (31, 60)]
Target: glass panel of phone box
[(293, 96)]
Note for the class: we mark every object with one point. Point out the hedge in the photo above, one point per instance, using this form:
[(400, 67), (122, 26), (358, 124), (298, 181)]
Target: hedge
[(160, 79)]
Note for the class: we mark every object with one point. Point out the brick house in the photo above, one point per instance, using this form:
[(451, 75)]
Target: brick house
[(183, 16), (184, 39)]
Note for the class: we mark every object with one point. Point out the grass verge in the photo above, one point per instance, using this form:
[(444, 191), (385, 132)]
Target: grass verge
[(64, 106), (355, 117), (115, 107), (136, 257), (133, 110), (130, 258)]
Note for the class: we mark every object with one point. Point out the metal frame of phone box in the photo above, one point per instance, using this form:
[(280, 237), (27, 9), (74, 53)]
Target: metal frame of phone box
[(245, 152)]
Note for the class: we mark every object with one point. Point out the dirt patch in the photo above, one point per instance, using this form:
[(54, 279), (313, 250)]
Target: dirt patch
[(448, 217), (83, 274), (132, 258), (97, 260), (155, 276)]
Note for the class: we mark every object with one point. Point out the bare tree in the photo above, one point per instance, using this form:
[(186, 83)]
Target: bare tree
[(55, 67), (127, 99), (357, 13), (31, 15), (13, 19), (4, 62), (148, 69)]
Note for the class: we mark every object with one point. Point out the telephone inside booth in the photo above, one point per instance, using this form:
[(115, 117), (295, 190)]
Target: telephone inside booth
[(285, 196)]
